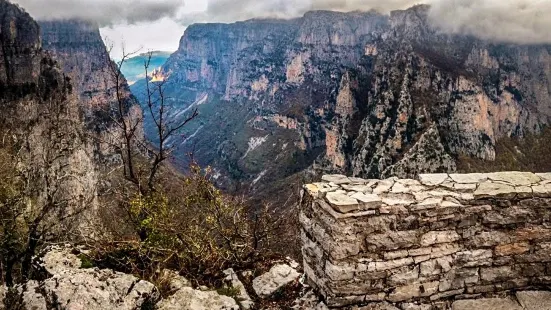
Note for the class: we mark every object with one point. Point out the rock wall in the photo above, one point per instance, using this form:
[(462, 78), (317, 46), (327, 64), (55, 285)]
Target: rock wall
[(371, 95), (428, 241)]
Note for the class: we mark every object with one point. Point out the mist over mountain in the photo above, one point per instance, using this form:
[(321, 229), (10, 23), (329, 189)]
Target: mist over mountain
[(362, 94)]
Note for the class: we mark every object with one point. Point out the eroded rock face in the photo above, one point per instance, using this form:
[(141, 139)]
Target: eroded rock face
[(42, 112), (69, 287), (368, 95)]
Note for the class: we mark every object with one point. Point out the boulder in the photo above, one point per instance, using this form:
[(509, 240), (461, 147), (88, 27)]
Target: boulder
[(70, 287), (189, 299), (242, 297), (279, 276)]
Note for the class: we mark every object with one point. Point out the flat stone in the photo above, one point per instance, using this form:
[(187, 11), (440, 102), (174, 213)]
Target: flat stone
[(491, 189), (398, 199), (400, 188), (535, 300), (312, 190), (369, 201), (357, 180), (278, 276), (433, 179), (464, 187), (383, 187), (435, 237), (189, 299), (470, 178), (336, 178), (357, 188), (545, 176), (486, 304), (515, 178), (325, 187), (524, 191), (542, 190), (342, 202), (429, 203)]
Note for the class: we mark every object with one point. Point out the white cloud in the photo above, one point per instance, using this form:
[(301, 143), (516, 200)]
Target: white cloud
[(517, 21)]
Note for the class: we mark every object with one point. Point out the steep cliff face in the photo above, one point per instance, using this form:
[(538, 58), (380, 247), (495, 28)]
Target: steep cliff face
[(77, 45), (79, 49), (357, 93), (42, 116)]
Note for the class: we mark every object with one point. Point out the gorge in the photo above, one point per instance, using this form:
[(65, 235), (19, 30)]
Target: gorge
[(363, 94), (386, 110)]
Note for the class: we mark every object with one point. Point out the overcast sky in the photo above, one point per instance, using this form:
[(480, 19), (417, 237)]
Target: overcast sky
[(159, 24)]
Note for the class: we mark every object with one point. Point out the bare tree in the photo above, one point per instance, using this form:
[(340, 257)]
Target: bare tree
[(131, 145)]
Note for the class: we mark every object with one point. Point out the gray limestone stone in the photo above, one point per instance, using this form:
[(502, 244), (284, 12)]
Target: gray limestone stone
[(515, 178), (189, 299), (342, 202), (336, 178), (369, 201), (278, 276), (486, 304), (433, 179), (435, 237), (535, 300), (491, 189), (470, 178)]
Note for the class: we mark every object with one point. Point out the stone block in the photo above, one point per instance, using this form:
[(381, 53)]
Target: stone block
[(394, 240), (534, 300), (392, 264), (435, 237), (433, 179), (512, 249), (342, 202), (515, 178), (404, 276), (486, 304), (340, 272), (496, 274), (408, 292), (336, 179), (491, 189)]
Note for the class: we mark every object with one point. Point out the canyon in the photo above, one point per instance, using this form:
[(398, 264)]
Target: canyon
[(362, 94)]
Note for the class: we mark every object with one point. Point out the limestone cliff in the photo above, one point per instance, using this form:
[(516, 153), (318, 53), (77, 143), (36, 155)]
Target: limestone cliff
[(359, 93), (79, 48), (42, 118)]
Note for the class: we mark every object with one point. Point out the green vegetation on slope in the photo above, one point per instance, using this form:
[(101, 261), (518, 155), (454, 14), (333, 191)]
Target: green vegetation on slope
[(529, 153)]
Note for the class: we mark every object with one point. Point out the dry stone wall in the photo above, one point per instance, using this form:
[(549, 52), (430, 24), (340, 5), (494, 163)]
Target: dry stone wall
[(427, 241)]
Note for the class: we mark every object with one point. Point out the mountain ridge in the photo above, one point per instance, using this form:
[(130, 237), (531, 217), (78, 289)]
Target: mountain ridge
[(363, 94)]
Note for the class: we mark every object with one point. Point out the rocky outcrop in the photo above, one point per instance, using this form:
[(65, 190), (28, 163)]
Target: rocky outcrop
[(428, 241), (69, 287), (42, 116), (369, 95), (65, 285), (77, 45), (189, 299)]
